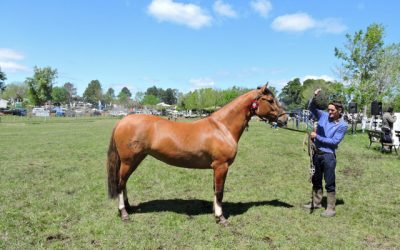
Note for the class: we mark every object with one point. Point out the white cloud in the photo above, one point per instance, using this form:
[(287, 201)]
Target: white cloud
[(204, 82), (293, 22), (331, 25), (8, 61), (262, 7), (224, 9), (186, 14), (9, 54), (13, 67), (324, 77), (302, 21)]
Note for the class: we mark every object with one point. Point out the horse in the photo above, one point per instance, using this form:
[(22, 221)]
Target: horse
[(208, 143)]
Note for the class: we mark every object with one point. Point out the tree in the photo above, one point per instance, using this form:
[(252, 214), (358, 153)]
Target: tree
[(41, 84), (209, 98), (340, 93), (291, 94), (15, 91), (273, 90), (139, 96), (361, 58), (170, 96), (109, 96), (227, 95), (387, 76), (2, 79), (396, 103), (71, 91), (126, 91), (307, 92), (60, 94), (124, 95), (150, 100), (93, 93), (152, 91)]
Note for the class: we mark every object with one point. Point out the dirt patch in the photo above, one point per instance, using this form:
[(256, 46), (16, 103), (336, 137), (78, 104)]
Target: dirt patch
[(95, 243), (57, 237), (267, 239), (352, 172)]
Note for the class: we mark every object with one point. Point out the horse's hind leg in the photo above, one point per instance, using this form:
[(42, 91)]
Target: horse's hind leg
[(126, 169), (220, 172)]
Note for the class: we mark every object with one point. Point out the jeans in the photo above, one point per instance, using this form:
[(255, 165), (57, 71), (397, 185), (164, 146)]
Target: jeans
[(325, 165)]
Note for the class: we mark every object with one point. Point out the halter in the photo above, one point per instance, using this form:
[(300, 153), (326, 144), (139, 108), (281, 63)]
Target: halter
[(254, 106)]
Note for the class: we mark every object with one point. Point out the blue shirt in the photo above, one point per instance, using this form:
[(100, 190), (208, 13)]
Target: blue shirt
[(329, 133)]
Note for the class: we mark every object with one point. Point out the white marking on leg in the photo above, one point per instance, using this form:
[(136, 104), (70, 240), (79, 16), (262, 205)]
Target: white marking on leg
[(217, 207), (125, 195), (121, 204)]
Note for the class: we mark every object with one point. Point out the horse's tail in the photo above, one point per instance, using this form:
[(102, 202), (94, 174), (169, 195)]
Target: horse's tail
[(113, 165)]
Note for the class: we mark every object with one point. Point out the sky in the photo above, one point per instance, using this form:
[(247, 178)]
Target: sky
[(184, 44)]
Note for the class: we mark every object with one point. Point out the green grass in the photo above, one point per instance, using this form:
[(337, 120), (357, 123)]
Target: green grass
[(53, 194)]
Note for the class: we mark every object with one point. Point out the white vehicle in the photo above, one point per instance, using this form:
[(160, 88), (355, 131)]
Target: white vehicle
[(37, 110)]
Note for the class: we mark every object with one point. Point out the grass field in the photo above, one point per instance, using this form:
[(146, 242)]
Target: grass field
[(53, 194)]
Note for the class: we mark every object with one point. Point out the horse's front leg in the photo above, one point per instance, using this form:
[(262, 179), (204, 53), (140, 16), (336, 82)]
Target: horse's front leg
[(220, 172)]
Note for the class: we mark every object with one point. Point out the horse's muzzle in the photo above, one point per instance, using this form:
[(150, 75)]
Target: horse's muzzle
[(282, 120)]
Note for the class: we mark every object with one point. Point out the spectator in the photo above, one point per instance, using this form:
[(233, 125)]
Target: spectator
[(388, 119)]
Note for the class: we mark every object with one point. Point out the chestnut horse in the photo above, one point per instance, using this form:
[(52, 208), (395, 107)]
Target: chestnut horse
[(209, 143)]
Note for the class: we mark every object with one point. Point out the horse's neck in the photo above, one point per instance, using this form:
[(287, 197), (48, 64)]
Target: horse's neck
[(236, 115)]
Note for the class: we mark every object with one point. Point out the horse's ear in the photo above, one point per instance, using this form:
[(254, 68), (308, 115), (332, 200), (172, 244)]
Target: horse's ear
[(262, 89), (265, 89)]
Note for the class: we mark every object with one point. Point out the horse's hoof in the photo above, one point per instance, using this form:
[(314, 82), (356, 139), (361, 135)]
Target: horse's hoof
[(221, 221), (124, 215)]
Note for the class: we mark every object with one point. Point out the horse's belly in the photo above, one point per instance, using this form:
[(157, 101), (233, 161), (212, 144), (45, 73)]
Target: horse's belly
[(184, 162)]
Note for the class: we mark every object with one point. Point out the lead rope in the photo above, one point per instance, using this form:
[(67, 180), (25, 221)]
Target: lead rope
[(311, 151)]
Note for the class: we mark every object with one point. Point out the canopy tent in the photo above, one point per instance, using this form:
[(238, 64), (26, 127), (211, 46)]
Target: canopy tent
[(163, 104), (3, 103)]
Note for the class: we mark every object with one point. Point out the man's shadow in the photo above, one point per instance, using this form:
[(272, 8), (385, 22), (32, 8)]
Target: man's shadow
[(194, 207)]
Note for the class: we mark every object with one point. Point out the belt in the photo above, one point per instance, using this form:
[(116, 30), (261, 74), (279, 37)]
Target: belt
[(320, 152)]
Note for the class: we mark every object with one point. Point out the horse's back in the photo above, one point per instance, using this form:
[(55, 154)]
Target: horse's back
[(152, 132)]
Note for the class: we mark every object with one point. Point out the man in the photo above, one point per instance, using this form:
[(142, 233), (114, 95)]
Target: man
[(387, 121), (329, 133)]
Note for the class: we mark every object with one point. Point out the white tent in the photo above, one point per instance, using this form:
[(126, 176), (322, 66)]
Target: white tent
[(163, 104), (3, 103)]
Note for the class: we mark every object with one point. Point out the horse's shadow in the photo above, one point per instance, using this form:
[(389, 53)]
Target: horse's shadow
[(197, 207)]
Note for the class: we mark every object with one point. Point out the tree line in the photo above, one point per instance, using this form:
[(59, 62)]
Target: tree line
[(39, 90), (369, 71)]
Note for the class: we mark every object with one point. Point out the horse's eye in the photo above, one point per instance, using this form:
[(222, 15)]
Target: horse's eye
[(271, 101)]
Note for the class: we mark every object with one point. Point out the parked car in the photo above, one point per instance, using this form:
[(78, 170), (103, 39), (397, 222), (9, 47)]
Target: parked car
[(17, 112), (95, 112), (37, 110)]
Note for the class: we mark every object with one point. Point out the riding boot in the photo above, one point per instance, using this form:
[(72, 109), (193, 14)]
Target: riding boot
[(330, 209), (317, 198)]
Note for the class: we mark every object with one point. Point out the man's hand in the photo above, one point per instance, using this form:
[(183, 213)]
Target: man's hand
[(316, 92), (313, 135)]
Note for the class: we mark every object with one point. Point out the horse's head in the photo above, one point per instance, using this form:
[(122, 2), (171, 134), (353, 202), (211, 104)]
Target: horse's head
[(267, 107)]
